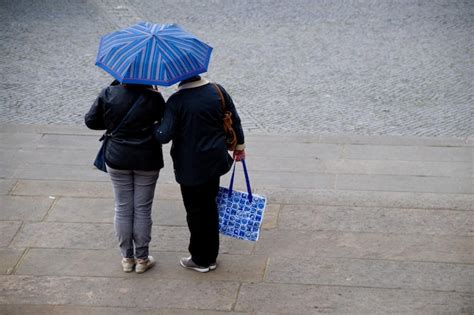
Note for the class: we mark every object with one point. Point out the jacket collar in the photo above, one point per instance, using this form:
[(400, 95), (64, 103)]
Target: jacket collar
[(193, 84)]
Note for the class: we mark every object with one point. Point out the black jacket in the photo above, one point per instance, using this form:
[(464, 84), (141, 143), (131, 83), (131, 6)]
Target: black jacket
[(193, 119), (133, 147)]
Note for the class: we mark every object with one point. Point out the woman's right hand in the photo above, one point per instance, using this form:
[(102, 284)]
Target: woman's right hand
[(239, 155)]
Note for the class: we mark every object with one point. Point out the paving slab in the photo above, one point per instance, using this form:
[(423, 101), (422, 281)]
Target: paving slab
[(368, 198), (6, 127), (345, 166), (372, 273), (70, 142), (6, 185), (393, 167), (408, 153), (66, 235), (24, 208), (7, 169), (63, 188), (403, 247), (169, 212), (48, 156), (313, 299), (76, 130), (76, 262), (101, 210), (282, 180), (9, 257), (86, 210), (89, 189), (18, 309), (320, 151), (443, 185), (115, 292), (176, 238), (342, 138), (378, 220), (8, 230), (53, 172), (270, 217), (19, 140)]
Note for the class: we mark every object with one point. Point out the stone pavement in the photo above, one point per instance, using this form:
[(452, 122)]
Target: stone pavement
[(300, 66), (354, 225)]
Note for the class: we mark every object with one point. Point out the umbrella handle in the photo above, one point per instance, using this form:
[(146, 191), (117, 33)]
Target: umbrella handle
[(247, 181)]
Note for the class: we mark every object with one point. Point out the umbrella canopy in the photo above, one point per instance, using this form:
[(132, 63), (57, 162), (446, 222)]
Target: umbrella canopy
[(154, 54)]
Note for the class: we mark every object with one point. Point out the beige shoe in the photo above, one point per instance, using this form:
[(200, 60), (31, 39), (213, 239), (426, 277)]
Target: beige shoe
[(128, 264), (144, 264)]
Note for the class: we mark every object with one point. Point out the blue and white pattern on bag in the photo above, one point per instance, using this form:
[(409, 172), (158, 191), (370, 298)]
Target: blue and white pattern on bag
[(238, 217)]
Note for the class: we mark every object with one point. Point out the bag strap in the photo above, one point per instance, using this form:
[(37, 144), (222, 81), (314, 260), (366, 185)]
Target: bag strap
[(229, 130), (247, 181), (221, 96), (120, 124)]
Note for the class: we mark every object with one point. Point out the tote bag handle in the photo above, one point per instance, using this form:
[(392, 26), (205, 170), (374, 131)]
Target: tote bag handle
[(247, 180)]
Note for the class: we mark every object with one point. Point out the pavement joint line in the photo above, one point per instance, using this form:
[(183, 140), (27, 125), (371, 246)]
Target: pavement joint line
[(318, 172), (371, 232), (330, 257), (10, 192), (351, 204), (20, 260), (371, 287), (404, 191), (134, 276), (183, 252), (344, 152), (280, 208), (20, 228), (180, 252), (236, 297), (381, 208), (50, 209), (265, 270)]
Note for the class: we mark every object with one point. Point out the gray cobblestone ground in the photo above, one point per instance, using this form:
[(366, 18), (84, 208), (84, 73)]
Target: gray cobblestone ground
[(365, 67)]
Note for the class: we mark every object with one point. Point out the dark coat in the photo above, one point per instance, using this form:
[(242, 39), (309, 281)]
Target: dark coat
[(133, 147), (193, 119)]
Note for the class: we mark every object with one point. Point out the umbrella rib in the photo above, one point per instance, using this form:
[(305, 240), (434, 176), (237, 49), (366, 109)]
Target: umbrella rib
[(122, 59), (176, 54)]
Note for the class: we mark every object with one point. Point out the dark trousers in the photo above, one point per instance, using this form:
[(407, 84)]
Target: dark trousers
[(203, 221)]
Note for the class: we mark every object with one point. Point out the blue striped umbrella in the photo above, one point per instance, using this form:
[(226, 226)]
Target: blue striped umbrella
[(154, 54)]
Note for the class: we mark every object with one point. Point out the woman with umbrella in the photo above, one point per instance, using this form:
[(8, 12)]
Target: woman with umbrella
[(134, 159), (193, 120), (127, 110)]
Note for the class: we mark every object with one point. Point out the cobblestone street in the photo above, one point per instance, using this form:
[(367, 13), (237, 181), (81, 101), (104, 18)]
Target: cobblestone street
[(369, 67)]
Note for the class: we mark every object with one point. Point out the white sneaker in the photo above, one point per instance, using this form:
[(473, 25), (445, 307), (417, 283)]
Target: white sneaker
[(144, 264), (128, 264)]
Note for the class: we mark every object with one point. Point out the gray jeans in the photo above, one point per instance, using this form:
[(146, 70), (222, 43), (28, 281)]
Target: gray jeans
[(134, 192)]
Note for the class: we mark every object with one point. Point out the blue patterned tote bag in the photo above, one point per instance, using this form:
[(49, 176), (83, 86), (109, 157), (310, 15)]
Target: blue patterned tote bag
[(240, 213)]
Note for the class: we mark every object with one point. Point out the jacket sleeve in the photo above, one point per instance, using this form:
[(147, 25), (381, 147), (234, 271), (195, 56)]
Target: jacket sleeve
[(236, 124), (158, 103), (94, 119), (164, 130)]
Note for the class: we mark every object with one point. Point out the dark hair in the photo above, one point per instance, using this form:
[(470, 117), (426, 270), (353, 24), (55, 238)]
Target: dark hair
[(137, 86), (191, 79)]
